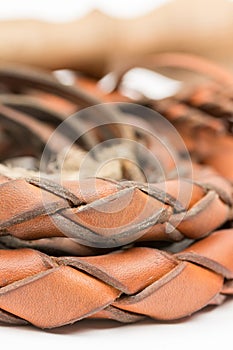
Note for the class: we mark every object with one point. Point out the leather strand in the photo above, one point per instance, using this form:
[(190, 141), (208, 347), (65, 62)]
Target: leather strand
[(125, 285), (104, 214)]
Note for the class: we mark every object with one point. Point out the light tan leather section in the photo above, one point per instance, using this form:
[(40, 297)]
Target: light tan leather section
[(187, 292)]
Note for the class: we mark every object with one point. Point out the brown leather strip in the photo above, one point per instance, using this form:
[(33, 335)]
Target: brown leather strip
[(124, 285), (119, 217)]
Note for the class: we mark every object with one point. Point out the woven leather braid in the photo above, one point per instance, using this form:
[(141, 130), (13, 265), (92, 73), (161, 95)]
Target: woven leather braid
[(126, 285), (108, 247), (102, 213)]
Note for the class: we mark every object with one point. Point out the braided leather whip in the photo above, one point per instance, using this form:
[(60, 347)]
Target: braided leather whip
[(87, 219)]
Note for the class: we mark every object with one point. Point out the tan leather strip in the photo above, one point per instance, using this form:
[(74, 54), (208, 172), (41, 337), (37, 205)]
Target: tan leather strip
[(124, 285), (114, 215)]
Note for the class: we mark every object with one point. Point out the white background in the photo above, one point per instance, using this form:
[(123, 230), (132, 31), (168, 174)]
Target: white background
[(207, 329)]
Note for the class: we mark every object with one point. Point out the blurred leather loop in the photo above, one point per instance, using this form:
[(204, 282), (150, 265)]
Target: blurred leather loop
[(200, 111)]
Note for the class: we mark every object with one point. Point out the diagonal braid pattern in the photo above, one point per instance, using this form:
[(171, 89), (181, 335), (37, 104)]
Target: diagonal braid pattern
[(125, 285), (103, 213)]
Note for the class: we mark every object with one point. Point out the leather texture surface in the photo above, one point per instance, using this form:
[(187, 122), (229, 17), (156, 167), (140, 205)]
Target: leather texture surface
[(126, 243), (125, 285), (103, 214)]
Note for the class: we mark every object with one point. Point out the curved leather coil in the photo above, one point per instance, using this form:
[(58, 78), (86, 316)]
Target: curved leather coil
[(79, 224), (126, 285), (28, 121)]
